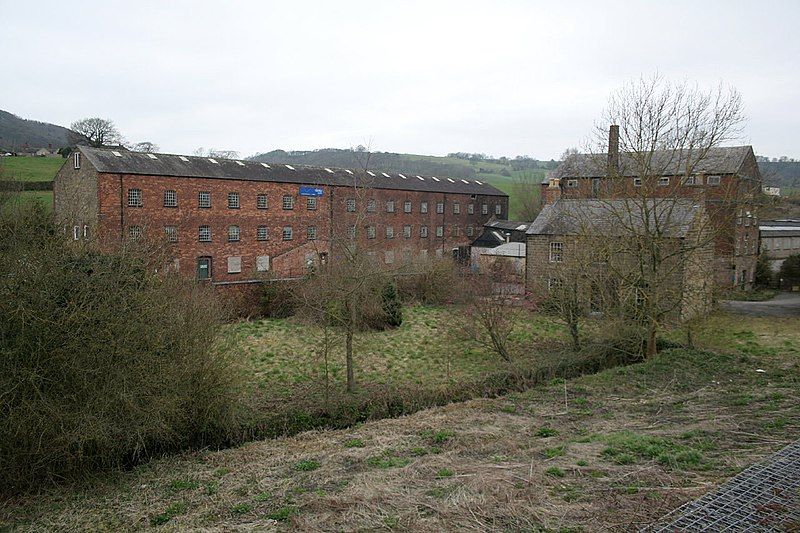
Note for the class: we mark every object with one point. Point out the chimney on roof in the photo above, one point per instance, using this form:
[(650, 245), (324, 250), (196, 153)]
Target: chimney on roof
[(613, 150)]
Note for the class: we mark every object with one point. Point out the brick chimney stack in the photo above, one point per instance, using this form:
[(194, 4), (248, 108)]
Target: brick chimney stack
[(613, 149)]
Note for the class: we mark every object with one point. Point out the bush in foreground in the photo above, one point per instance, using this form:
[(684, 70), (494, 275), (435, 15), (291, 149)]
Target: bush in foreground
[(104, 358)]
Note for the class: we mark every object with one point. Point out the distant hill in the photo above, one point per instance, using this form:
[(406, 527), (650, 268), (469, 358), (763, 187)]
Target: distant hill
[(18, 134), (783, 174)]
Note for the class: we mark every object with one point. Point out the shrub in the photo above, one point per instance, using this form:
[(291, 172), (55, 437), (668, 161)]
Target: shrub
[(392, 307), (276, 300), (104, 358), (789, 272)]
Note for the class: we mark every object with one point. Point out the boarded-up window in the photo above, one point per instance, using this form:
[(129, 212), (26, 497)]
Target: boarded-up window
[(389, 257), (234, 265), (262, 263)]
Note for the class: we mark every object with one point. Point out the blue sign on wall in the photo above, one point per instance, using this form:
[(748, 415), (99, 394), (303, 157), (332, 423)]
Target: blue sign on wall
[(310, 191)]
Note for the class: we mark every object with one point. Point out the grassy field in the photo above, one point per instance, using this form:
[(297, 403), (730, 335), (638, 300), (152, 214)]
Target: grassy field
[(425, 349), (43, 197), (610, 451), (30, 168)]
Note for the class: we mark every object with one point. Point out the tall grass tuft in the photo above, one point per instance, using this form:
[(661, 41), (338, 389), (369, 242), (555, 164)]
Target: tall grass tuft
[(104, 358)]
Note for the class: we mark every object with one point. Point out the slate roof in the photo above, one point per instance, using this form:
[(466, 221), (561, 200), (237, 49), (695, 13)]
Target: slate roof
[(489, 239), (614, 217), (508, 249), (508, 225), (785, 227), (720, 160), (128, 162)]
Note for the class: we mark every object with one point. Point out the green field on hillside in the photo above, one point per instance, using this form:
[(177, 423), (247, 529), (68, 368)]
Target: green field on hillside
[(30, 168)]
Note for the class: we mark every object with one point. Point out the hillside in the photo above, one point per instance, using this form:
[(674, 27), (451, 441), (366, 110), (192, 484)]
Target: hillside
[(19, 134), (783, 174), (502, 173)]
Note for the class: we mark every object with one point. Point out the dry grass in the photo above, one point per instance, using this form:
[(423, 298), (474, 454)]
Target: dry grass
[(602, 452)]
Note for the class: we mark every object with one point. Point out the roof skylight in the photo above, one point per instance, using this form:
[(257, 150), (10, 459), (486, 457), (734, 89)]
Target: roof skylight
[(290, 167), (434, 178), (183, 158), (450, 180), (240, 163), (329, 171), (348, 171), (420, 178), (152, 156), (479, 182), (264, 165), (465, 181), (213, 161), (386, 175), (370, 173), (405, 178), (117, 154)]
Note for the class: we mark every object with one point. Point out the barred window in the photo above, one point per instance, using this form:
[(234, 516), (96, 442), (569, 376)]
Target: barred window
[(498, 209), (423, 207), (233, 233), (233, 200), (470, 209), (351, 232), (470, 231), (423, 231), (439, 231), (556, 252), (456, 208), (262, 233), (311, 233), (287, 233), (350, 204), (170, 199), (371, 233), (485, 209), (204, 234), (172, 233), (134, 198), (440, 207), (311, 203), (407, 232), (390, 206), (288, 202), (204, 199), (371, 205), (407, 206), (261, 201), (134, 232), (390, 232)]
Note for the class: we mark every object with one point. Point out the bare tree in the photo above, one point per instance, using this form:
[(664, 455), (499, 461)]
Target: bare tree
[(146, 147), (527, 189), (99, 131)]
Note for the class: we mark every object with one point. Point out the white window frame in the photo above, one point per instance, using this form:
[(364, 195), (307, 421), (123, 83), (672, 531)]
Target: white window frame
[(135, 197), (407, 206), (637, 182), (350, 205), (233, 200), (663, 181), (262, 263), (172, 233), (262, 201), (76, 233), (311, 203), (470, 231), (713, 181), (204, 199), (556, 250), (498, 209), (423, 232), (572, 184), (439, 208), (470, 209), (456, 208), (287, 202), (484, 209), (76, 160), (390, 206), (390, 232), (423, 207), (440, 231), (407, 231), (311, 233)]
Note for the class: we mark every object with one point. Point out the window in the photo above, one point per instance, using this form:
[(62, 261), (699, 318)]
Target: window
[(170, 199), (262, 263), (470, 209), (423, 231), (498, 209), (390, 206), (440, 207), (85, 232), (423, 207), (423, 254), (713, 180), (556, 252), (288, 202), (287, 233), (485, 209), (311, 203), (407, 232), (204, 199), (350, 205), (371, 233), (233, 233), (690, 180), (572, 184), (172, 233), (261, 201), (76, 160), (134, 232), (203, 268), (311, 233), (134, 198), (388, 257), (233, 200), (454, 231), (439, 231), (204, 234), (470, 231), (407, 206), (456, 208), (351, 232), (76, 232), (371, 205), (637, 182), (234, 265), (390, 232), (262, 233), (663, 182)]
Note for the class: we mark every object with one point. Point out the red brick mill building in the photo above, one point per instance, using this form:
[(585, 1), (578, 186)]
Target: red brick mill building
[(231, 221)]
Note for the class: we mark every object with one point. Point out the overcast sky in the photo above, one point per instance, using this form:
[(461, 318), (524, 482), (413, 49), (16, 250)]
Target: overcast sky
[(499, 77)]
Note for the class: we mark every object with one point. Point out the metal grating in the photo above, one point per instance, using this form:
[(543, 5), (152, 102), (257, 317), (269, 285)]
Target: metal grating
[(764, 497)]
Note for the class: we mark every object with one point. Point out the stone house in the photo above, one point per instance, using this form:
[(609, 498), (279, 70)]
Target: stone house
[(778, 240), (593, 241)]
